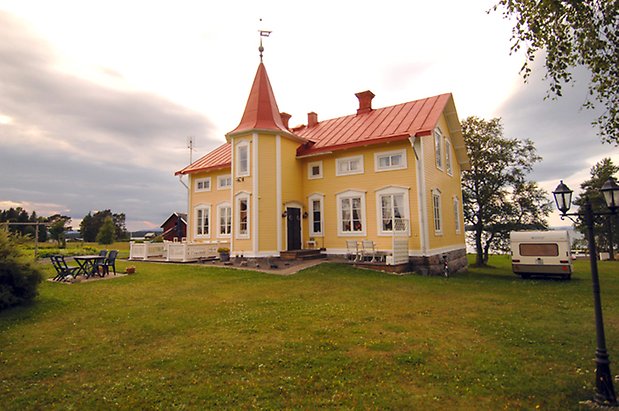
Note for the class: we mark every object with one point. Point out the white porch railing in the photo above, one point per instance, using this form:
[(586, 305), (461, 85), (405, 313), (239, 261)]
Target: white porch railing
[(175, 251), (144, 251)]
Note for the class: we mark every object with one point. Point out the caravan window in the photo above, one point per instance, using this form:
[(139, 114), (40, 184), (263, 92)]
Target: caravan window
[(539, 249)]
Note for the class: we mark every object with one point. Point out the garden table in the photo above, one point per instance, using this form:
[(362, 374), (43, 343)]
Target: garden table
[(89, 264)]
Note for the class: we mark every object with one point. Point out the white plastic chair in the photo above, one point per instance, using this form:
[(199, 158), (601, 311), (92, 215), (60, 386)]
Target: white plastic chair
[(352, 250)]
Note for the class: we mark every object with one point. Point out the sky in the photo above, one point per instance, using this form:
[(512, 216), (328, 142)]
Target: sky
[(99, 98)]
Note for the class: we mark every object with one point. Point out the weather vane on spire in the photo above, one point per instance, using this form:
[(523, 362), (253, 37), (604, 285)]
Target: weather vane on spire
[(263, 33)]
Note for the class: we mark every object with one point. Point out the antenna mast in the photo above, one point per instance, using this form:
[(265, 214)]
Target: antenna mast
[(190, 147)]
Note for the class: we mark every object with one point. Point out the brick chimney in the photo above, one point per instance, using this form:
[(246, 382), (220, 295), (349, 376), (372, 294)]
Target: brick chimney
[(285, 118), (365, 101), (312, 119)]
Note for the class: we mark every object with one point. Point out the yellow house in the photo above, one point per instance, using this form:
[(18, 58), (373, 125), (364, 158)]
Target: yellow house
[(376, 174)]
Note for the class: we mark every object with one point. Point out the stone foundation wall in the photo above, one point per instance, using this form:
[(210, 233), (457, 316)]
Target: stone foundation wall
[(433, 265)]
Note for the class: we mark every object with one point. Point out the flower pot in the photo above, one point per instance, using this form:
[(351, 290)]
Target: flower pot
[(130, 270), (224, 257)]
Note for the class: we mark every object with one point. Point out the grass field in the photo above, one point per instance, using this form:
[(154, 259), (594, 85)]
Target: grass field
[(197, 337)]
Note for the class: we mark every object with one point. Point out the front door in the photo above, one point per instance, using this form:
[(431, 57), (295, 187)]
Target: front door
[(294, 228)]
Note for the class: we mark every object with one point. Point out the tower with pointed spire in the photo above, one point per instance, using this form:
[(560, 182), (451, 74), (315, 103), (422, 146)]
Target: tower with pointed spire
[(261, 148)]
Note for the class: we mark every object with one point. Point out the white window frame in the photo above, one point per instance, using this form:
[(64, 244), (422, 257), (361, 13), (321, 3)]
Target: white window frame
[(458, 223), (222, 179), (437, 211), (340, 161), (310, 166), (220, 207), (310, 208), (237, 216), (203, 208), (206, 184), (349, 195), (389, 154), (390, 191), (448, 164), (238, 170), (438, 148)]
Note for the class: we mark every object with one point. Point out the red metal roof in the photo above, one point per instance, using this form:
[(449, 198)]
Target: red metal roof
[(218, 158), (415, 118), (261, 112)]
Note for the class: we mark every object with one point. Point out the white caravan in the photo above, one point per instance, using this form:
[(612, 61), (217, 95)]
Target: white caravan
[(541, 253)]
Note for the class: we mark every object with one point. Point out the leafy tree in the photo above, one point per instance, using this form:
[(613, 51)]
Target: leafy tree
[(497, 197), (88, 228), (91, 225), (107, 233), (57, 228), (572, 33), (605, 227), (19, 277)]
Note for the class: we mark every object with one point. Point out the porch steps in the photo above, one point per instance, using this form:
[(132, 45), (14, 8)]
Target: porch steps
[(308, 254)]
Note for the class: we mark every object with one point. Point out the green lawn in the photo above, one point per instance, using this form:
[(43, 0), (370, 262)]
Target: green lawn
[(196, 337)]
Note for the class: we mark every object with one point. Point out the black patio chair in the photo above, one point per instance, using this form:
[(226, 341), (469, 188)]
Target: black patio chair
[(110, 261), (63, 270), (103, 253)]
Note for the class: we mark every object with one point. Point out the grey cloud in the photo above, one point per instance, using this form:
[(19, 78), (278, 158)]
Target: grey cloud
[(561, 129), (85, 146)]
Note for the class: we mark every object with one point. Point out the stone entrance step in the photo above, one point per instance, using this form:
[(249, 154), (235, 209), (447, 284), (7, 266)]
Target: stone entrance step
[(308, 254)]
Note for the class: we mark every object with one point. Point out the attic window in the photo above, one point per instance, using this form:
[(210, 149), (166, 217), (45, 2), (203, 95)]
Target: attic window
[(349, 165), (203, 184), (314, 170)]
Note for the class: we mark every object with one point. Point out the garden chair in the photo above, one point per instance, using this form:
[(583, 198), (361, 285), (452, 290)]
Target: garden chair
[(368, 249), (110, 261), (352, 250), (63, 270), (103, 253)]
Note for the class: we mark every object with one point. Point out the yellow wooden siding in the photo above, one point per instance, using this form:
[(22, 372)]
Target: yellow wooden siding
[(330, 185), (292, 185), (266, 201), (242, 185), (449, 186), (210, 198)]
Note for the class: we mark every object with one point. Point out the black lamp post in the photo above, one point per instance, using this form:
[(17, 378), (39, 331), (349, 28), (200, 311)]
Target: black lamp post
[(604, 390)]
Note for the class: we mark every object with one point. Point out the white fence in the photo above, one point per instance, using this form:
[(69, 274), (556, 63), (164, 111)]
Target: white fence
[(145, 250), (175, 251)]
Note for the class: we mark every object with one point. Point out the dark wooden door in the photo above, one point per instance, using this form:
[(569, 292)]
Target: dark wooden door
[(294, 228)]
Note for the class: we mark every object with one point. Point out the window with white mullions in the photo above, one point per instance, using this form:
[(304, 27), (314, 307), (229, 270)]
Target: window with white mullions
[(243, 217), (242, 159), (436, 205), (349, 165), (392, 212), (438, 147), (225, 220), (351, 215), (203, 221), (316, 217), (392, 160)]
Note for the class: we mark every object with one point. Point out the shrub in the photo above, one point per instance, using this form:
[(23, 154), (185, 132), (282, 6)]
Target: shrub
[(19, 277)]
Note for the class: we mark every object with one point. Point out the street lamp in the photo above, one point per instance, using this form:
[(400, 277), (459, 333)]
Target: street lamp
[(604, 390)]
